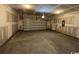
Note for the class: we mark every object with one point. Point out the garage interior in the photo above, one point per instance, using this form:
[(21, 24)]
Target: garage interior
[(39, 28)]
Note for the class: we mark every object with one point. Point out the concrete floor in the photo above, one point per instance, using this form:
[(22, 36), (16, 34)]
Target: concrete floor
[(40, 42)]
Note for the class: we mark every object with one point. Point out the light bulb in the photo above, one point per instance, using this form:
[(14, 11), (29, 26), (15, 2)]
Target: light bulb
[(43, 16)]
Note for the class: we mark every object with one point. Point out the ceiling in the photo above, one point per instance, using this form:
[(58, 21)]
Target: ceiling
[(44, 8)]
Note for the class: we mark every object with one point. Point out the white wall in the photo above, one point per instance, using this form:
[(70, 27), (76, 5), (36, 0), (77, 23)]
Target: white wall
[(8, 23), (71, 23)]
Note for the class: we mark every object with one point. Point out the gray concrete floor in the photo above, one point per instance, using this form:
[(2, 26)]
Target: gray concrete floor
[(40, 42)]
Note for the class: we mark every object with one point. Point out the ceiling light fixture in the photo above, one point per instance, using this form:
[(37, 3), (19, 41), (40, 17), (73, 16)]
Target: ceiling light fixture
[(58, 12), (27, 6)]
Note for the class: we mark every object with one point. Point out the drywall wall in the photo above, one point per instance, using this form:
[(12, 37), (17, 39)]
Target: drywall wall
[(71, 23), (8, 23), (30, 22)]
